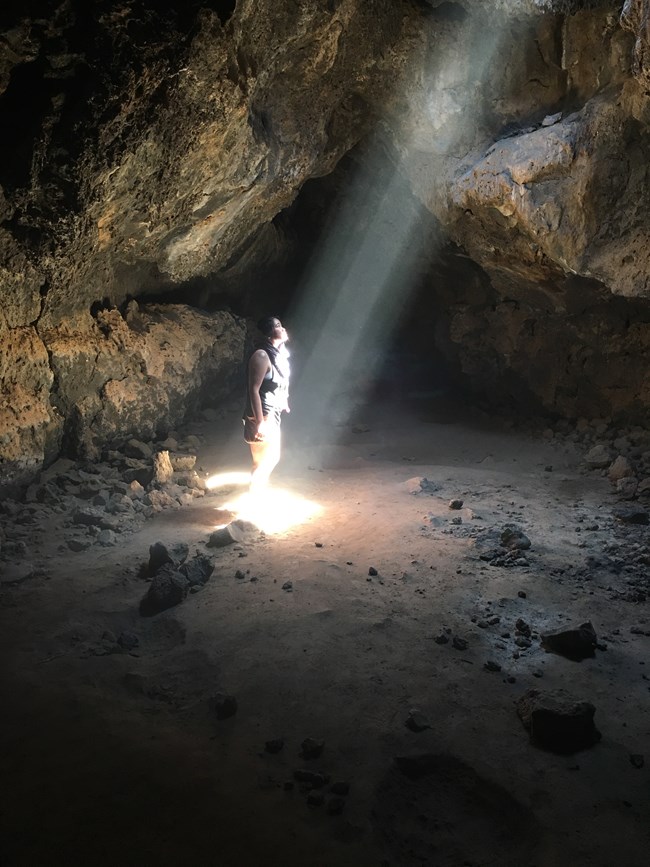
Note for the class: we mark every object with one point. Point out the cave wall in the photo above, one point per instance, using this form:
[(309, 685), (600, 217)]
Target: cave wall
[(546, 190), (160, 143)]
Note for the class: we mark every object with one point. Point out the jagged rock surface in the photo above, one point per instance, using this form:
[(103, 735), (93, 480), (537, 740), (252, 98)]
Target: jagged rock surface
[(161, 145)]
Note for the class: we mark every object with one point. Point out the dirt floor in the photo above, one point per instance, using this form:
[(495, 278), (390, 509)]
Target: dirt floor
[(115, 756)]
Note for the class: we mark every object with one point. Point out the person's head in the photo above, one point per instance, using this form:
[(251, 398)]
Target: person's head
[(272, 329)]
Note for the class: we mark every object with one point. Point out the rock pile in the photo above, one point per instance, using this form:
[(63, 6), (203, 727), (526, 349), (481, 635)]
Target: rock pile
[(94, 503)]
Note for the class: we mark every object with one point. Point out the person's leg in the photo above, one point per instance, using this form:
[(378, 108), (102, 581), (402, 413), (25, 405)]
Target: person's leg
[(265, 457)]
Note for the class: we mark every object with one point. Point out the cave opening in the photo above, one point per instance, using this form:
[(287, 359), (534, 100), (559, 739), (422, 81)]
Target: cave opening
[(428, 633)]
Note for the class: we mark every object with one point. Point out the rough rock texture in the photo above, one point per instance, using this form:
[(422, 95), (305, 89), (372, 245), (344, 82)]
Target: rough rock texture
[(160, 147), (136, 373)]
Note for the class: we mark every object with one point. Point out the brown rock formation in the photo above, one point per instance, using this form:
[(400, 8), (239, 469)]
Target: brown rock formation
[(160, 145)]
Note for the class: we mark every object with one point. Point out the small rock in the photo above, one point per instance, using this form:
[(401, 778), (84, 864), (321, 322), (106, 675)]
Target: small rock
[(416, 721), (513, 538), (79, 544), (128, 640), (274, 745), (631, 514), (551, 119), (557, 722), (492, 666), (311, 748), (521, 594), (340, 787), (107, 538), (372, 571), (419, 485), (313, 778), (441, 639), (236, 531), (637, 760), (627, 487), (315, 799), (459, 643), (138, 450), (158, 556), (197, 570), (456, 504), (167, 589), (162, 468), (225, 706), (288, 585), (575, 644), (182, 463), (598, 457), (619, 469), (522, 627)]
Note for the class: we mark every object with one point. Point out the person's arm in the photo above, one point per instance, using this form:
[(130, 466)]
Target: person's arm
[(258, 367)]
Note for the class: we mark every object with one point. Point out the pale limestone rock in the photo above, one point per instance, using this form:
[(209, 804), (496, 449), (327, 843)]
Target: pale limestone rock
[(162, 468)]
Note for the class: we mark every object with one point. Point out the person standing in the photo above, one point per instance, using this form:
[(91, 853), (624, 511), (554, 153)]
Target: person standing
[(267, 398)]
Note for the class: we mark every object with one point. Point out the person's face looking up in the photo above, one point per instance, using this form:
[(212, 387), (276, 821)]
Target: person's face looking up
[(279, 332)]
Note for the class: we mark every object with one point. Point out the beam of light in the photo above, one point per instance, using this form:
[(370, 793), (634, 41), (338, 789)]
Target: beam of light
[(273, 510), (360, 281)]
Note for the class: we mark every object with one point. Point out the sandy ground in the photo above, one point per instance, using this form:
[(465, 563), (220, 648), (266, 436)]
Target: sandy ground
[(118, 757)]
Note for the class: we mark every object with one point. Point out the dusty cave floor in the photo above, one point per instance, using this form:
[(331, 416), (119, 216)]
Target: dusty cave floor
[(113, 755)]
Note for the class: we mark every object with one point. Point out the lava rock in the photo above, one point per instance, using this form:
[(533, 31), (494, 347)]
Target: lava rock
[(459, 643), (631, 514), (575, 644), (224, 705), (598, 457), (311, 748), (620, 469), (627, 487), (557, 722), (128, 640), (198, 570), (137, 449), (416, 721), (492, 666), (167, 589), (236, 531), (372, 571), (159, 556), (313, 778), (513, 538), (455, 504)]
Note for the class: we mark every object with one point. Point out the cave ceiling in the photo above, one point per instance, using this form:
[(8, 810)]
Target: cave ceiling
[(149, 145)]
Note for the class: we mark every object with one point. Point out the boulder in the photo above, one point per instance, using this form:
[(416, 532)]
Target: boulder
[(575, 644), (557, 722)]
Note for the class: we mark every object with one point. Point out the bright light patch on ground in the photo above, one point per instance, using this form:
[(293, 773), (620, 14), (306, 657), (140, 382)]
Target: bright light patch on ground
[(274, 510), (227, 480)]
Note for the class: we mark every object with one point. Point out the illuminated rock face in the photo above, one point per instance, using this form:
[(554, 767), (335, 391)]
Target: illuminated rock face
[(149, 145)]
